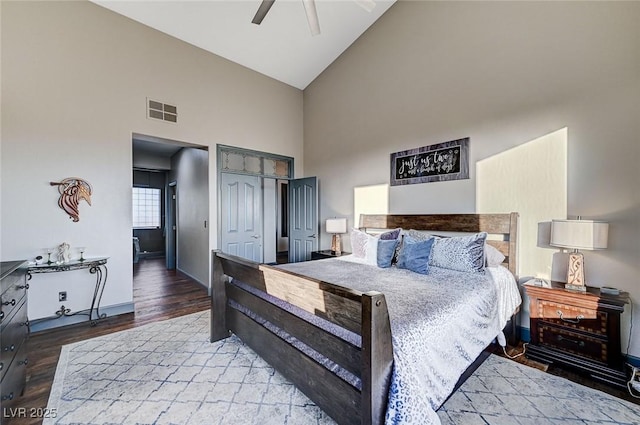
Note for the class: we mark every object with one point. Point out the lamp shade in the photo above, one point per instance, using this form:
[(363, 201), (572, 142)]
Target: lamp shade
[(336, 225), (579, 234)]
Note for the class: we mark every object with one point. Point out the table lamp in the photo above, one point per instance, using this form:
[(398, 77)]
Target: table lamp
[(578, 234), (336, 226)]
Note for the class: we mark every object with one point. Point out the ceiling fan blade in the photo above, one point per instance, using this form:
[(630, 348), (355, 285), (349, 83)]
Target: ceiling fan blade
[(312, 16), (367, 5), (262, 11)]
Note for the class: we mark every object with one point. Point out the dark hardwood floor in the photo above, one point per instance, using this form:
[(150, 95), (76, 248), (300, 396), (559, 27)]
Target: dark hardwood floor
[(158, 294)]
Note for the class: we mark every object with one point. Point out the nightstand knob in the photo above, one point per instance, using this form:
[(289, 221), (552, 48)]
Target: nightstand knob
[(578, 318)]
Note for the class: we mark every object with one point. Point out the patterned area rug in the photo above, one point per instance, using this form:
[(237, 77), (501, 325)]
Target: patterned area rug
[(502, 391), (169, 373)]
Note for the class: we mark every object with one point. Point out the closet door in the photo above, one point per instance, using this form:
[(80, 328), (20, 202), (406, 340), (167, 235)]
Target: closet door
[(242, 216), (303, 218)]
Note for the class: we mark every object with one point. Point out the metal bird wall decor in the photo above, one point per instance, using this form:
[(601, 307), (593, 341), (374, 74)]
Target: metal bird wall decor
[(72, 191)]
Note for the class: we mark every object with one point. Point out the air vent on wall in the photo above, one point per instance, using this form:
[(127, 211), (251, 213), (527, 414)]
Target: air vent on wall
[(162, 111)]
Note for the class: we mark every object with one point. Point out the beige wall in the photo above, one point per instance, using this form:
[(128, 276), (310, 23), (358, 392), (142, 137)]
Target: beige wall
[(75, 78), (503, 74), (500, 182)]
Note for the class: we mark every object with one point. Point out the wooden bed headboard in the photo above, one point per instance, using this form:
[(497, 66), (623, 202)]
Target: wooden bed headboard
[(501, 228)]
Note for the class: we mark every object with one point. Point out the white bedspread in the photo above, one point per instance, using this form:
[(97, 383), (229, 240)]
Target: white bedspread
[(440, 323)]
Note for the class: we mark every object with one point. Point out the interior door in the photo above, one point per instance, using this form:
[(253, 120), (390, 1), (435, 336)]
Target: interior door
[(241, 216), (303, 218)]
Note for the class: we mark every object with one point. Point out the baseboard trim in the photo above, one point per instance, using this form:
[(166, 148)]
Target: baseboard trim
[(43, 324), (525, 334), (633, 361), (191, 277)]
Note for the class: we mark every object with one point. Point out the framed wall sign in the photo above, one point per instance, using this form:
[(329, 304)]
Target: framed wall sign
[(433, 163)]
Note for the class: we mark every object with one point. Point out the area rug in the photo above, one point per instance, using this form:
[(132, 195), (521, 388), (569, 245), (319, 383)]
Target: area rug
[(169, 373)]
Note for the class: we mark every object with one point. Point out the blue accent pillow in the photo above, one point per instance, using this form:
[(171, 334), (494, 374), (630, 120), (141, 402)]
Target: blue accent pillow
[(386, 251), (414, 254), (461, 253)]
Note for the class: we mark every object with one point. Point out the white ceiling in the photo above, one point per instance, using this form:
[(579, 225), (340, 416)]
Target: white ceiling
[(282, 47)]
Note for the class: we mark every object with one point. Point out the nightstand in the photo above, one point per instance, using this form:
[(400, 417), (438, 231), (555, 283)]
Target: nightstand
[(577, 329), (327, 253)]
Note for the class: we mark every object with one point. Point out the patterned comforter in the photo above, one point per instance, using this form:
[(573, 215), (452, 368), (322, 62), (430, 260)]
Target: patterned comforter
[(440, 323)]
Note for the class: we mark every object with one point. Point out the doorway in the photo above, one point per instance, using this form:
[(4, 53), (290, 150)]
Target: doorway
[(184, 202)]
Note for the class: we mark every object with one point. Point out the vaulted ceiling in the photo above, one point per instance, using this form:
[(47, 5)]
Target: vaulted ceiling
[(281, 47)]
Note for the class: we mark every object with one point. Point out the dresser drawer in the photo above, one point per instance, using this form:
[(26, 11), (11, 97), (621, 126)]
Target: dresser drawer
[(13, 381), (13, 288), (13, 279), (585, 346), (14, 333), (11, 299), (584, 319)]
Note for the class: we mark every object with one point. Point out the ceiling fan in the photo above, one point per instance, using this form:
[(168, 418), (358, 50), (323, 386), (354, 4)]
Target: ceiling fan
[(310, 10)]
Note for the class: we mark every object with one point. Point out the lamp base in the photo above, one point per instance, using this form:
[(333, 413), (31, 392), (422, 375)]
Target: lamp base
[(575, 272), (335, 244), (575, 288)]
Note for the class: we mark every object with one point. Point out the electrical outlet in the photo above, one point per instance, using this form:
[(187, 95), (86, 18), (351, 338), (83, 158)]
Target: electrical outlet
[(62, 296)]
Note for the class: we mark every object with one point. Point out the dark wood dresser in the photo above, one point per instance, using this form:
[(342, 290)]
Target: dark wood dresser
[(14, 329), (577, 329)]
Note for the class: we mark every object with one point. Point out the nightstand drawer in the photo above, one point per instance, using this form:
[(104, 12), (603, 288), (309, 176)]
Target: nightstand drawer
[(575, 343), (587, 320)]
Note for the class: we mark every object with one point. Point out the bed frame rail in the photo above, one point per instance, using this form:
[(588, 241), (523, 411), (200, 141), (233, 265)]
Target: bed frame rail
[(362, 313)]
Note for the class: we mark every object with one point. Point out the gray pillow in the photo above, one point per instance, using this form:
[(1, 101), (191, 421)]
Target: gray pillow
[(416, 235), (462, 253), (493, 256)]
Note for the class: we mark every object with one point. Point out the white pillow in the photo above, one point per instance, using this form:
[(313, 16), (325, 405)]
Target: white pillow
[(371, 255), (494, 258), (358, 243), (364, 246)]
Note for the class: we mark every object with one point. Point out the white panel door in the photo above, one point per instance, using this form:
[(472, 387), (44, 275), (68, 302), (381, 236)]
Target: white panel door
[(241, 216)]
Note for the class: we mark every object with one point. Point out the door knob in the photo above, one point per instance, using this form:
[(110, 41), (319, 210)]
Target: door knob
[(256, 236), (312, 236)]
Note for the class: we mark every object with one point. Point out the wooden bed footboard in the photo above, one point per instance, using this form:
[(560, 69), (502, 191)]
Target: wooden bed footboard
[(364, 314)]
